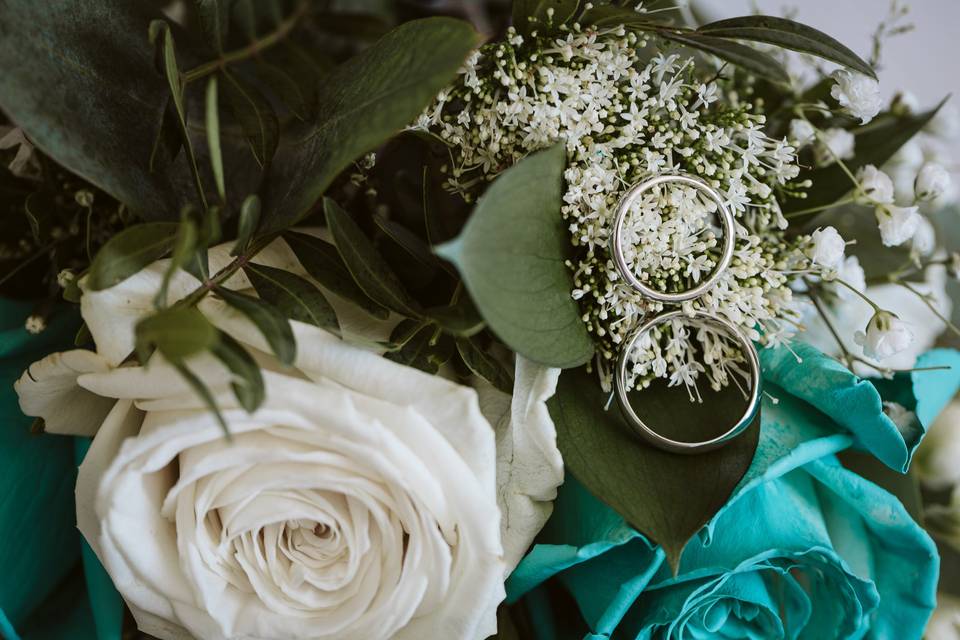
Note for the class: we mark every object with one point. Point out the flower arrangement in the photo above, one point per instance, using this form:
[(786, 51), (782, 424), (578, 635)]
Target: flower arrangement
[(364, 325)]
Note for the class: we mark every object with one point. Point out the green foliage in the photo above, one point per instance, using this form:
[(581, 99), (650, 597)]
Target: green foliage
[(543, 16), (484, 365), (213, 137), (130, 251), (184, 248), (423, 346), (297, 298), (666, 496), (214, 21), (247, 224), (511, 255), (247, 383), (177, 333), (255, 115), (271, 322), (758, 62)]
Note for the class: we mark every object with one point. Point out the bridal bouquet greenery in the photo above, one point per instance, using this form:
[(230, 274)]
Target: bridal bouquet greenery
[(325, 300)]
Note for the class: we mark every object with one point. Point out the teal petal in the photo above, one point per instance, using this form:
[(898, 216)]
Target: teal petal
[(935, 389)]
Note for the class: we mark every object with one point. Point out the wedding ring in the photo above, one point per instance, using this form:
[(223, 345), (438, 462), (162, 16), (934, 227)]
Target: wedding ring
[(623, 208), (678, 446)]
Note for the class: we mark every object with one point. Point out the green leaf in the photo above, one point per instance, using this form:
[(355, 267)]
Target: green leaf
[(460, 319), (214, 20), (213, 137), (543, 16), (604, 16), (788, 35), (201, 390), (247, 225), (511, 255), (65, 60), (184, 248), (741, 55), (876, 143), (297, 298), (271, 322), (177, 333), (407, 240), (247, 384), (484, 365), (323, 262), (130, 251), (362, 104), (666, 496), (255, 115), (368, 268), (285, 87), (427, 350)]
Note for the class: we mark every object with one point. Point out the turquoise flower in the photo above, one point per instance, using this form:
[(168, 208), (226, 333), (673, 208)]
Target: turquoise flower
[(805, 548)]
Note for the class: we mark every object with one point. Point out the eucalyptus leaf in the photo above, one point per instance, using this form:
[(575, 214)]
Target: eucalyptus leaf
[(543, 16), (213, 137), (177, 333), (52, 54), (364, 102), (247, 224), (297, 298), (247, 381), (484, 365), (271, 322), (369, 270), (323, 262), (788, 34), (129, 251), (255, 115), (666, 496), (758, 62), (511, 255)]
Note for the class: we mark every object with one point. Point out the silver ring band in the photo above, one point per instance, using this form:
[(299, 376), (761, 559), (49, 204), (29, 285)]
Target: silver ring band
[(677, 446), (616, 241)]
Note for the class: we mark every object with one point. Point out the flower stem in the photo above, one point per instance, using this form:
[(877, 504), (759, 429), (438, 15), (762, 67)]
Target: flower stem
[(862, 295), (930, 305), (823, 207)]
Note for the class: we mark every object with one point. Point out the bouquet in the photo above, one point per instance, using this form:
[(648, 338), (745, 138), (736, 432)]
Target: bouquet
[(459, 320)]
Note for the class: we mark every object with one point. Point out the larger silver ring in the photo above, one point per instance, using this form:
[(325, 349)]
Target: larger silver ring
[(623, 208), (678, 446)]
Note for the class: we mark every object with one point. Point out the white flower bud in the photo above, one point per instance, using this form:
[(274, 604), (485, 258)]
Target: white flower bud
[(932, 182), (886, 336), (877, 185), (827, 248), (837, 143), (897, 224), (801, 132), (858, 94), (852, 273), (35, 324), (924, 241)]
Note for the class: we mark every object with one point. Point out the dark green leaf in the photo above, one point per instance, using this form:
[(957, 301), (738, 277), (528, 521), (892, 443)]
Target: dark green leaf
[(248, 380), (255, 115), (461, 319), (426, 350), (247, 225), (168, 141), (295, 297), (403, 332), (65, 60), (201, 390), (407, 240), (270, 321), (285, 87), (368, 268), (184, 248), (363, 103), (543, 16), (741, 55), (323, 262), (484, 365), (213, 137), (511, 255), (788, 35), (130, 251), (876, 143), (358, 25), (666, 496), (214, 19), (177, 333)]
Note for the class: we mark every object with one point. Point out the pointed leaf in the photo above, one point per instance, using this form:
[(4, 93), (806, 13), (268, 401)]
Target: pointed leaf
[(247, 225), (248, 380), (323, 262), (255, 115), (214, 19), (461, 318), (368, 268), (184, 247), (741, 55), (177, 333), (285, 87), (271, 322), (213, 137), (426, 350), (201, 390), (484, 365), (512, 256), (297, 298), (788, 35), (130, 251), (410, 242)]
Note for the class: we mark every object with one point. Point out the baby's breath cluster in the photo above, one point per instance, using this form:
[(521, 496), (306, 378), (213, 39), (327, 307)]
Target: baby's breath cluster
[(624, 116)]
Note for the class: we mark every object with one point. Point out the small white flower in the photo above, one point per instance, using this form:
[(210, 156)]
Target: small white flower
[(852, 273), (886, 336), (836, 143), (35, 324), (858, 94), (875, 184), (924, 241), (932, 182), (827, 248), (897, 224), (65, 277), (801, 132)]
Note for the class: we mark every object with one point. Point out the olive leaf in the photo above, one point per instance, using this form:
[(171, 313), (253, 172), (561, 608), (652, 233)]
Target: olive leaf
[(255, 115), (184, 248), (426, 349), (247, 383), (130, 251), (666, 496), (751, 59), (297, 298), (213, 136), (460, 318), (484, 365), (271, 322), (177, 333), (247, 224), (512, 254)]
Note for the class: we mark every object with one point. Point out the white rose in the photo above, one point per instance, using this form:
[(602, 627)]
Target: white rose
[(360, 501), (802, 132), (897, 224), (827, 248), (858, 94), (876, 184), (836, 143), (886, 336), (932, 182), (945, 622)]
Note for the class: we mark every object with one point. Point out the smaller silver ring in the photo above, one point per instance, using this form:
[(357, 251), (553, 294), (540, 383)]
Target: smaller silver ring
[(616, 241), (678, 446)]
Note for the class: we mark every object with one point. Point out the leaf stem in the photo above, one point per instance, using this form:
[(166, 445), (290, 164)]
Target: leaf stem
[(823, 207)]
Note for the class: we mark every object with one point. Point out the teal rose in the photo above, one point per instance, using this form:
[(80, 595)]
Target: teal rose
[(805, 548)]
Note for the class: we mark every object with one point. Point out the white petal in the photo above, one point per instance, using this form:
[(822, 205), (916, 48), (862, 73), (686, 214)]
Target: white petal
[(48, 389)]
